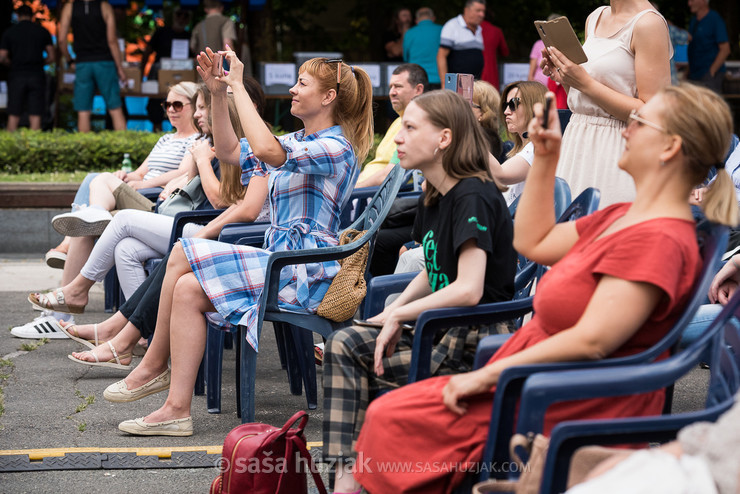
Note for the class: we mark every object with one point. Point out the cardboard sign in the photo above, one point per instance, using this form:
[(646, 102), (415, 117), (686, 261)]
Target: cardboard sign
[(373, 71), (279, 73)]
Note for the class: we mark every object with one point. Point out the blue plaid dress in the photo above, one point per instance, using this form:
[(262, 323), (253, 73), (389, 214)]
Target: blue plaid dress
[(307, 194)]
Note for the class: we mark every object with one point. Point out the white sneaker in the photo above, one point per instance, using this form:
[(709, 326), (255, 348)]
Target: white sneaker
[(87, 222), (44, 326)]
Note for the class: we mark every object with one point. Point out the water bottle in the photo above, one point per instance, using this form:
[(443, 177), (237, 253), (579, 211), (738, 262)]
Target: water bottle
[(126, 163)]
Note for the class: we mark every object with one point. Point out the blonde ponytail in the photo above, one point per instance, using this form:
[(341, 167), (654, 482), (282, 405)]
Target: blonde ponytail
[(703, 121), (353, 110), (720, 201)]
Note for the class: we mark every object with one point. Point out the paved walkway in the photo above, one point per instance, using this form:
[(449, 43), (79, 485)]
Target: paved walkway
[(44, 389)]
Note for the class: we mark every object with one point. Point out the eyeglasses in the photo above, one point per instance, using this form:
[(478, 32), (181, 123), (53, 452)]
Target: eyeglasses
[(177, 106), (339, 63), (512, 104), (634, 117)]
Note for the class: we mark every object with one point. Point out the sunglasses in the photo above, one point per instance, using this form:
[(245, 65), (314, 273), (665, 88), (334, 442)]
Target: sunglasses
[(339, 63), (512, 104), (177, 106), (634, 117)]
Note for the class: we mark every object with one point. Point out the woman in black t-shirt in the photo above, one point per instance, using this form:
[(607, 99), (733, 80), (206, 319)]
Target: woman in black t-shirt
[(465, 230)]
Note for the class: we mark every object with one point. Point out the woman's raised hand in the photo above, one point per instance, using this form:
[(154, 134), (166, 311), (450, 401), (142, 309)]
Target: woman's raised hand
[(208, 68), (235, 73)]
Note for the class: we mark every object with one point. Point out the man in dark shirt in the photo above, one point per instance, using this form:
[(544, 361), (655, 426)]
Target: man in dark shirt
[(461, 42), (98, 63), (23, 47)]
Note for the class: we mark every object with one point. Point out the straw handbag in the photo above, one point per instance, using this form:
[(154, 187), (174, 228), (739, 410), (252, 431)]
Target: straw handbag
[(348, 287)]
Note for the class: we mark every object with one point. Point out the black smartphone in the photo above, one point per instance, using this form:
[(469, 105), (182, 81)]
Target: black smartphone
[(546, 115)]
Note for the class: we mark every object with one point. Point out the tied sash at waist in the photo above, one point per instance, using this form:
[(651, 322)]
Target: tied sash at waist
[(299, 236)]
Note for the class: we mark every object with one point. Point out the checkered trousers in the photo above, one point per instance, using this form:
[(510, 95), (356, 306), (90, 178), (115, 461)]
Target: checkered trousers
[(350, 381)]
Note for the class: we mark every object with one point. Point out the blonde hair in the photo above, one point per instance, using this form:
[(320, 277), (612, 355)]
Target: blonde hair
[(188, 90), (467, 154), (702, 119), (486, 96), (530, 92), (353, 110)]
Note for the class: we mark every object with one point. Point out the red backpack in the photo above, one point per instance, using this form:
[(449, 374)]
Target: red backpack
[(261, 459)]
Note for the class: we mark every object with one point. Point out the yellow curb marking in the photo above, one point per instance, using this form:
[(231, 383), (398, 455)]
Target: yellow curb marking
[(161, 452), (39, 454)]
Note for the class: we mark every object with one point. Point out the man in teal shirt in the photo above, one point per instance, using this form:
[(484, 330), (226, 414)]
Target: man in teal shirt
[(421, 43)]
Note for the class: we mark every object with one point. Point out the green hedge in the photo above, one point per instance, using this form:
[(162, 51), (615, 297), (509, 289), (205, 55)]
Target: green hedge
[(28, 151)]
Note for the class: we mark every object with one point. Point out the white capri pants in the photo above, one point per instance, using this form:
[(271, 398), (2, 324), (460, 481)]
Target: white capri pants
[(129, 240)]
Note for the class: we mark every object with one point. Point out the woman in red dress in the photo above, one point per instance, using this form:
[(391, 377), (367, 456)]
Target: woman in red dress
[(619, 280)]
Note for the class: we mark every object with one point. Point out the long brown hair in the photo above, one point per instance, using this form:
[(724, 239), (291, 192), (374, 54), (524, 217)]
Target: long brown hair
[(703, 121), (231, 189), (467, 154), (530, 92), (353, 110)]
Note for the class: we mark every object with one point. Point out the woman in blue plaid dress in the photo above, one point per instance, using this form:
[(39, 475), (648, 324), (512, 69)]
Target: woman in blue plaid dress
[(311, 175)]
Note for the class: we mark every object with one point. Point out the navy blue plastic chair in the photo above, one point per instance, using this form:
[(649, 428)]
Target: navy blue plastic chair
[(381, 287), (712, 240), (429, 322), (298, 337), (722, 338)]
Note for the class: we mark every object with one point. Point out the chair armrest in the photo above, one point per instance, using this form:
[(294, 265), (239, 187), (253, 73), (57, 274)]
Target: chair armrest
[(200, 216), (151, 193), (568, 436), (380, 287), (278, 260), (487, 347), (545, 388), (244, 233), (430, 321)]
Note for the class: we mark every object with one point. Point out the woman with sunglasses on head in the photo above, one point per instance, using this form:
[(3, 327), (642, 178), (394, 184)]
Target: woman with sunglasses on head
[(108, 191), (311, 175), (610, 292), (629, 51), (517, 110), (466, 235)]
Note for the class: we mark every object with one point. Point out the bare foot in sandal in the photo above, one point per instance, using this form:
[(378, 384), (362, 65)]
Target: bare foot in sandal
[(105, 355), (72, 297), (95, 333)]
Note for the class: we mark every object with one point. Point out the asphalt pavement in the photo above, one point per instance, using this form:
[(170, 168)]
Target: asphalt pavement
[(53, 405)]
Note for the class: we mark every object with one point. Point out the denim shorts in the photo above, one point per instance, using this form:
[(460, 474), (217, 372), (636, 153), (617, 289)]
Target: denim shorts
[(104, 76)]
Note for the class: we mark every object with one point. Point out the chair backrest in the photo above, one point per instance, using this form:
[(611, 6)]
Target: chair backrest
[(561, 197), (564, 116), (724, 381), (370, 220)]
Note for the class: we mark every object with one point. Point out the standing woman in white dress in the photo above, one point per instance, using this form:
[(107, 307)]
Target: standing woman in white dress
[(629, 50)]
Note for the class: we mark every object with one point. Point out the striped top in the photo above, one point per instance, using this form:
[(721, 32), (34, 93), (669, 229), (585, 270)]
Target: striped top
[(466, 47), (167, 154)]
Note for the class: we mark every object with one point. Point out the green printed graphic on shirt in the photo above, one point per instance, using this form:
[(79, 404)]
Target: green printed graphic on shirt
[(437, 279), (480, 227)]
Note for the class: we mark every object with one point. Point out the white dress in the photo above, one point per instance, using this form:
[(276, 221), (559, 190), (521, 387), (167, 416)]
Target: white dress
[(593, 143)]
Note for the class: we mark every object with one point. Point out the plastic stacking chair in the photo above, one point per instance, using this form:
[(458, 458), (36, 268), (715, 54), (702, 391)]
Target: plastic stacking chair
[(712, 239), (299, 340), (430, 321), (381, 287), (722, 337)]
